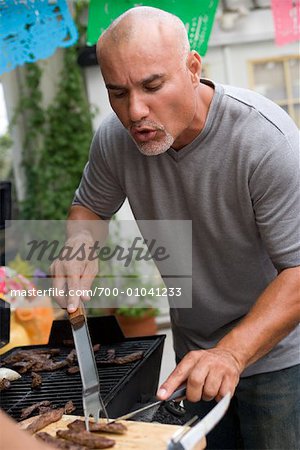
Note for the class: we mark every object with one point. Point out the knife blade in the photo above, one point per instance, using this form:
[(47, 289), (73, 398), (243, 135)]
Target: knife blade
[(91, 397), (178, 393), (187, 438)]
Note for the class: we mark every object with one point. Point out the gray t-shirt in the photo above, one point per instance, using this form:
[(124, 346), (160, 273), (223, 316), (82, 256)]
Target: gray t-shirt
[(238, 182)]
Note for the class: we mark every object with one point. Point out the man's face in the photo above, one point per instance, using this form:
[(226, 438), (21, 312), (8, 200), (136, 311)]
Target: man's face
[(151, 90)]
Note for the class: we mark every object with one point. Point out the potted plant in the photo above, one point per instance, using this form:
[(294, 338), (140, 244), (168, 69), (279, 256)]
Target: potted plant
[(137, 320)]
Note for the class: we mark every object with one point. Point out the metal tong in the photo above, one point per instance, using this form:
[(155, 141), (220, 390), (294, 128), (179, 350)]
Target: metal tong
[(187, 438)]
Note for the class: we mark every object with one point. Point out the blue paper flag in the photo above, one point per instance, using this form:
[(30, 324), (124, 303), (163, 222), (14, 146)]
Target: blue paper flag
[(32, 30)]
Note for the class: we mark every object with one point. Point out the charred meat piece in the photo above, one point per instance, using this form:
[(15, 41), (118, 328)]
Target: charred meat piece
[(37, 362), (122, 359), (111, 354), (85, 438), (51, 416), (72, 357), (58, 443), (41, 421), (26, 355), (23, 366), (69, 407), (26, 412), (103, 427), (49, 366), (36, 380), (72, 370), (4, 384), (43, 409)]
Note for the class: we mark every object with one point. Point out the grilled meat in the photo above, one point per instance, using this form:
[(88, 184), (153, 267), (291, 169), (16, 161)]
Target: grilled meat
[(120, 360), (51, 416), (86, 439), (26, 412), (4, 384), (49, 366), (41, 421), (36, 380), (103, 427), (72, 357), (72, 370), (59, 443), (25, 355), (69, 407)]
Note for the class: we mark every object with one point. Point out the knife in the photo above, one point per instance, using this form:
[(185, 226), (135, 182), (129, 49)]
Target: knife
[(187, 438), (91, 397), (180, 392)]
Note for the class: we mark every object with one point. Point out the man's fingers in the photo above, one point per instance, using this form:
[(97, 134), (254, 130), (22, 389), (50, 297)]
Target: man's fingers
[(211, 386), (73, 293), (87, 278), (177, 377)]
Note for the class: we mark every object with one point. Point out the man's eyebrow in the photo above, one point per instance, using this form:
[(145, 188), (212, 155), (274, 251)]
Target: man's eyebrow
[(155, 76)]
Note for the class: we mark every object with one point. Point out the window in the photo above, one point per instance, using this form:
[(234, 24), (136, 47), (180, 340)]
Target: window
[(278, 79)]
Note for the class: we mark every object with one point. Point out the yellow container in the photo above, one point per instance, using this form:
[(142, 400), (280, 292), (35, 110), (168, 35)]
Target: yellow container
[(18, 335)]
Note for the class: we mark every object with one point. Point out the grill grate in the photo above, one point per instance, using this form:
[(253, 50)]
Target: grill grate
[(59, 387)]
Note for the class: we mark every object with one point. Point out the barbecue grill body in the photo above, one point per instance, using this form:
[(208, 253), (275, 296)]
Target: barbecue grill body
[(121, 386)]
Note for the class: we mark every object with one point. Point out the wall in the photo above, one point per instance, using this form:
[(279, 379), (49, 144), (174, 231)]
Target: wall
[(252, 38)]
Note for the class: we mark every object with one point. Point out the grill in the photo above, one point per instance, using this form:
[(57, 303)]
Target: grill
[(121, 386)]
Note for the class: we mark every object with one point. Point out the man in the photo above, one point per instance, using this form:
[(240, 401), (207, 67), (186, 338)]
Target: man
[(181, 148)]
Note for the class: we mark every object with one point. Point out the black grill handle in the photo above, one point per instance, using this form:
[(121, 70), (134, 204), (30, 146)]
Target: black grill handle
[(178, 393)]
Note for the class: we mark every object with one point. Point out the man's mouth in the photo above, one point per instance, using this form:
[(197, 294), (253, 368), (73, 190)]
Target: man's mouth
[(143, 134)]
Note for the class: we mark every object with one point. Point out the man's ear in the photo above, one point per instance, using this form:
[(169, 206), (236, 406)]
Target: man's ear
[(194, 66)]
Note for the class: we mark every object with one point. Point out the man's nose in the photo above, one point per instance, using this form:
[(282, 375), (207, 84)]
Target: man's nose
[(138, 108)]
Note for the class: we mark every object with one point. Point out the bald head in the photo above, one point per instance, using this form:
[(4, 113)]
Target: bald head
[(138, 24)]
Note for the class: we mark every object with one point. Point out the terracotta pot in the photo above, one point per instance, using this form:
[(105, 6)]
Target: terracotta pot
[(137, 326)]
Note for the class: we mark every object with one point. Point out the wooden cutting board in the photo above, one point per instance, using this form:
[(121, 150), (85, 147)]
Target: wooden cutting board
[(140, 435)]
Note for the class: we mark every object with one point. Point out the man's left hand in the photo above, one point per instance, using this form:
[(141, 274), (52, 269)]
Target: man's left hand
[(210, 374)]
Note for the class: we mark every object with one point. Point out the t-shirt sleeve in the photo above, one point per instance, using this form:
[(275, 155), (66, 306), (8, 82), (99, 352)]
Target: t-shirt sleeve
[(99, 189), (275, 192)]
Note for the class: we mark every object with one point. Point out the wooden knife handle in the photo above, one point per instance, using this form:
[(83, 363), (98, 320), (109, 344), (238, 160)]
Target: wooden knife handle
[(77, 317)]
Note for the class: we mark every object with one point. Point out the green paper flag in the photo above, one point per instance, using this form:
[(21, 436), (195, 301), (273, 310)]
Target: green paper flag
[(197, 15)]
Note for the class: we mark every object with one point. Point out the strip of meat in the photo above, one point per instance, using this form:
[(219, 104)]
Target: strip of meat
[(26, 412), (111, 354), (49, 366), (36, 380), (72, 370), (40, 422), (4, 384), (48, 417), (69, 407), (43, 409), (23, 366), (58, 443), (72, 357), (122, 359), (85, 438), (102, 427), (23, 355)]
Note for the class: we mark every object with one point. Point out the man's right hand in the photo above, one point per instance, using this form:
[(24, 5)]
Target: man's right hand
[(74, 276)]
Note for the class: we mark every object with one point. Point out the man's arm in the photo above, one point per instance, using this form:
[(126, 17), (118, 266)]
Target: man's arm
[(85, 231), (212, 373)]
